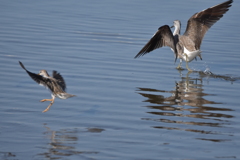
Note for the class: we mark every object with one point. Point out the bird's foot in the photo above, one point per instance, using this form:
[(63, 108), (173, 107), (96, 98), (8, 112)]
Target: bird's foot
[(49, 104), (46, 110), (190, 70), (48, 107), (179, 68), (46, 100)]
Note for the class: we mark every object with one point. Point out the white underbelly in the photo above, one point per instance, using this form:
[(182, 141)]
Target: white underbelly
[(190, 55), (62, 96)]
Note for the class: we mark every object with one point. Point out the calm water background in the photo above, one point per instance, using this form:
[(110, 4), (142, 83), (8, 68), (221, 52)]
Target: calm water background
[(125, 108)]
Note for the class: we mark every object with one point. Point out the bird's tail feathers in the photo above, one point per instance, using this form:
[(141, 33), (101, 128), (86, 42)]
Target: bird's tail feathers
[(65, 95)]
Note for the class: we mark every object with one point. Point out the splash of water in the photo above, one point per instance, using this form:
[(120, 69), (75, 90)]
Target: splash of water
[(207, 71)]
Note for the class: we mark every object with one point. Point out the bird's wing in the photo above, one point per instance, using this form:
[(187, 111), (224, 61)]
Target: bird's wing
[(38, 78), (59, 79), (200, 22), (163, 37)]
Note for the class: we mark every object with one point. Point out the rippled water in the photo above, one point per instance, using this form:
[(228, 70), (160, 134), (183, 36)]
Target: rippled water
[(125, 108)]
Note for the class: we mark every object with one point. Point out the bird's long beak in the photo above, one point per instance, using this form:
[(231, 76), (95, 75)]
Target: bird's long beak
[(171, 26)]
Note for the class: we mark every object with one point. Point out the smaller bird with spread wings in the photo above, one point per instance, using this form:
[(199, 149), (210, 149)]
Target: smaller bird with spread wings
[(55, 84)]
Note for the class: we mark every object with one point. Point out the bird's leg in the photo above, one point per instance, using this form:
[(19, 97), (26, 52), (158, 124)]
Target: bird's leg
[(46, 100), (187, 63), (49, 105), (179, 65)]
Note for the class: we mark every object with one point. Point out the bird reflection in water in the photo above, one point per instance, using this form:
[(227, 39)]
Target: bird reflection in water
[(64, 143), (190, 102)]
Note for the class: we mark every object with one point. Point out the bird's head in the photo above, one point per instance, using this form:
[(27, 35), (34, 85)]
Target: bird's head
[(43, 73), (176, 24)]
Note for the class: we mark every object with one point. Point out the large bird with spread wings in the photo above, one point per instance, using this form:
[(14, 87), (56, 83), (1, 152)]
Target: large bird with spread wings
[(187, 46)]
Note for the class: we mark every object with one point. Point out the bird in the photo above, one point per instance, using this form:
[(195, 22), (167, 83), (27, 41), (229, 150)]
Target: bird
[(55, 84), (187, 46)]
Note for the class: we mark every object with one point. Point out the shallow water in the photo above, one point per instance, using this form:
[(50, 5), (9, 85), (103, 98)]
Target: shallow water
[(125, 108)]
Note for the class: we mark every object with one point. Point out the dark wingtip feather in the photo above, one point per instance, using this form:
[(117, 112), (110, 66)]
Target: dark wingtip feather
[(142, 52), (22, 65), (138, 55), (175, 58)]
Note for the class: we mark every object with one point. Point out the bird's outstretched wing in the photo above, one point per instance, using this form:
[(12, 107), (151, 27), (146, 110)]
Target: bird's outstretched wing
[(163, 37), (38, 78), (59, 79), (200, 22)]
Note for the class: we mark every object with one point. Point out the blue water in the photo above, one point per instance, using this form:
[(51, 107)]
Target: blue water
[(125, 108)]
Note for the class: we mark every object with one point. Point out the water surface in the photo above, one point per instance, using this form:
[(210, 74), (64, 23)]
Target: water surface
[(125, 108)]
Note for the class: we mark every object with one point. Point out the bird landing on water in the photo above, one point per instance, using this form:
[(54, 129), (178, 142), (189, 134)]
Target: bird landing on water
[(187, 46), (55, 84)]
